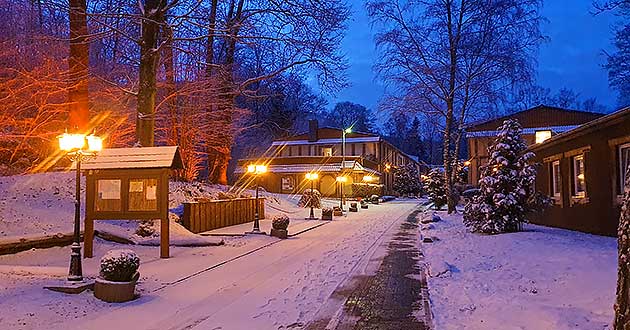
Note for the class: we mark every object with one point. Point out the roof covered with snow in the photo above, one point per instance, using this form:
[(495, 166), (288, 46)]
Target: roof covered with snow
[(145, 157)]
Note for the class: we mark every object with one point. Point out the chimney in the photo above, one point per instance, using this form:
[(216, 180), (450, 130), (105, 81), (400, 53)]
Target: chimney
[(313, 126)]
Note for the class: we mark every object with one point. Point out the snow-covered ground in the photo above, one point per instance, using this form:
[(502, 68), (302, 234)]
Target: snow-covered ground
[(43, 204), (539, 279), (268, 284)]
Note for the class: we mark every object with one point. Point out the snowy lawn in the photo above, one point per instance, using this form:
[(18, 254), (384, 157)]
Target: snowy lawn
[(42, 204), (539, 279)]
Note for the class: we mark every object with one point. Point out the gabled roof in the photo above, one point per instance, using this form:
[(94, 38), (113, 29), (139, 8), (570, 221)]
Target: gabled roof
[(539, 116), (144, 157), (594, 125), (327, 133)]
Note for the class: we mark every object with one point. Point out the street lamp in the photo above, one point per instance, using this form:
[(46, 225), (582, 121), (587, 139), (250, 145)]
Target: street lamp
[(343, 157), (78, 147), (341, 179), (311, 177), (256, 170)]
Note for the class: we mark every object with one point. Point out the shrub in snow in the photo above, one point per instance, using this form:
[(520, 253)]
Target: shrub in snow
[(434, 187), (145, 228), (622, 303), (366, 189), (119, 265), (505, 196), (407, 180), (310, 198), (280, 222)]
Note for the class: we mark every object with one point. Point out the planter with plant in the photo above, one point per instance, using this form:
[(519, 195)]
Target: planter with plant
[(327, 213), (279, 226), (118, 276)]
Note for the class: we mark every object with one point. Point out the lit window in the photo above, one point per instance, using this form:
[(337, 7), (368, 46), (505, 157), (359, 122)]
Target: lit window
[(579, 181), (624, 162), (541, 136), (287, 183), (327, 152), (555, 178)]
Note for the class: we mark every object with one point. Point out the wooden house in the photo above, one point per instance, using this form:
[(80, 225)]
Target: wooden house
[(539, 123), (583, 171), (368, 159)]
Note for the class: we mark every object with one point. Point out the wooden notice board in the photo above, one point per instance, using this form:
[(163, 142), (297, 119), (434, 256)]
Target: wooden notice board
[(129, 184)]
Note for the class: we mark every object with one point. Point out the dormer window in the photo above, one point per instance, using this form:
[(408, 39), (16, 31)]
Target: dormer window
[(542, 136)]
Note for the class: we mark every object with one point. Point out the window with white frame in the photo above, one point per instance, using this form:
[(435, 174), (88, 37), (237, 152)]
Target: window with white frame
[(555, 178), (579, 179), (624, 162)]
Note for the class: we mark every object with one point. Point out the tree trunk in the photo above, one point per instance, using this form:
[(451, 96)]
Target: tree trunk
[(172, 134), (78, 104), (622, 302), (219, 154), (149, 59)]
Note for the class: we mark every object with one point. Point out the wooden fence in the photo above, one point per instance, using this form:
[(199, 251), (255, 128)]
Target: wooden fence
[(207, 215)]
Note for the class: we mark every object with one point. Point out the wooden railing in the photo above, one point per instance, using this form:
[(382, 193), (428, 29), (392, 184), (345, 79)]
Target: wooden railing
[(207, 215)]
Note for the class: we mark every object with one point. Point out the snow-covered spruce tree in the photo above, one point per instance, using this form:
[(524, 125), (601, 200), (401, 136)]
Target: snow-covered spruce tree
[(434, 187), (407, 180), (622, 303), (504, 197)]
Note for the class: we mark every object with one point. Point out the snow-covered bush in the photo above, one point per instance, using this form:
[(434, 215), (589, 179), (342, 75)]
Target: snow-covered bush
[(407, 180), (434, 187), (505, 194), (145, 228), (366, 189), (280, 222), (119, 265), (310, 198)]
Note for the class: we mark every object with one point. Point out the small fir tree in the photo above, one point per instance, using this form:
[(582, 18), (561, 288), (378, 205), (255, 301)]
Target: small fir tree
[(407, 180), (505, 196), (622, 302), (434, 187)]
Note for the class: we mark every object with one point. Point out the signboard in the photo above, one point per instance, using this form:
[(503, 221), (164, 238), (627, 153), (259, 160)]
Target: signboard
[(129, 184)]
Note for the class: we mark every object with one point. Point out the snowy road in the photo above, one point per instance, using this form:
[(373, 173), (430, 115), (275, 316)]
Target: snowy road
[(281, 286)]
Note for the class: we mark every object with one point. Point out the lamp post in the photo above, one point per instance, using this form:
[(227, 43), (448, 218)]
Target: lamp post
[(78, 147), (341, 179), (311, 177), (256, 170), (343, 160)]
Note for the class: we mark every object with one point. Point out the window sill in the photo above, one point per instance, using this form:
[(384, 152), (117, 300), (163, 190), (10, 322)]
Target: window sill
[(577, 200)]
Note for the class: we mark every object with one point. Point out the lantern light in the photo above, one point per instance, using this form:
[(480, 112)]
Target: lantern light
[(69, 142), (368, 178), (95, 143), (342, 179), (311, 176)]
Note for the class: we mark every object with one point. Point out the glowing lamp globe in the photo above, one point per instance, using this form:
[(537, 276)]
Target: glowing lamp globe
[(69, 142)]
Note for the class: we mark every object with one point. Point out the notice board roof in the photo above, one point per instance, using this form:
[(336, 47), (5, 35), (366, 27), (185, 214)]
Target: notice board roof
[(143, 157)]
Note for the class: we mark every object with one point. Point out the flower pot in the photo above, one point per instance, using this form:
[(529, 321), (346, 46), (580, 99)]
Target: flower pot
[(279, 233), (115, 292)]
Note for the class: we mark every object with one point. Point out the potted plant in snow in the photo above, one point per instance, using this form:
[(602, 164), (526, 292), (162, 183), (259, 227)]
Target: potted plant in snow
[(327, 213), (279, 226), (118, 276)]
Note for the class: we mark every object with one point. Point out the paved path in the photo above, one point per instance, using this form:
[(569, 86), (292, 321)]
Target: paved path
[(394, 296), (282, 286)]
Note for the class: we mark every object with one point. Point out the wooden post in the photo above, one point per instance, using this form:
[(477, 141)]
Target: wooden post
[(164, 239), (88, 238)]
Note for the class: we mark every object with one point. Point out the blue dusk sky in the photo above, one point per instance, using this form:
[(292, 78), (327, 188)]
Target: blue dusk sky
[(572, 57)]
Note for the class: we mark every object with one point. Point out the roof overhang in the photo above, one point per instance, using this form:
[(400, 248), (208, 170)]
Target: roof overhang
[(144, 157), (327, 141), (531, 130)]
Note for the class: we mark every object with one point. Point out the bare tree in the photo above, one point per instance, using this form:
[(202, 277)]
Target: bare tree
[(78, 65), (454, 57)]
